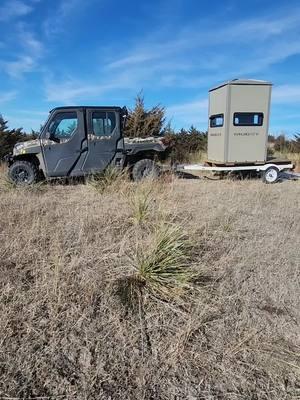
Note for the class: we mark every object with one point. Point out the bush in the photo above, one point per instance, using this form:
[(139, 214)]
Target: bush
[(295, 143), (9, 137), (185, 142), (142, 122), (284, 145)]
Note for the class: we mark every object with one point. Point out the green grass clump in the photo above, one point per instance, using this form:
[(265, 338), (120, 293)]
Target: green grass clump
[(141, 203), (163, 267), (160, 269), (110, 179)]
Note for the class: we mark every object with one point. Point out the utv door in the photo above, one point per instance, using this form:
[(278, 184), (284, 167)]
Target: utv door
[(104, 135), (63, 142)]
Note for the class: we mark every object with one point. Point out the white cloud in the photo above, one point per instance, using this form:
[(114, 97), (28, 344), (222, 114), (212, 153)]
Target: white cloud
[(8, 96), (261, 28), (189, 113), (210, 52), (286, 94), (27, 60), (70, 91), (194, 57), (16, 68), (139, 57), (207, 37), (14, 9), (264, 58), (30, 43), (55, 24)]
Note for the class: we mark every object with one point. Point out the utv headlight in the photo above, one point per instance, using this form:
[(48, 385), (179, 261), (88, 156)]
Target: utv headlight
[(19, 146)]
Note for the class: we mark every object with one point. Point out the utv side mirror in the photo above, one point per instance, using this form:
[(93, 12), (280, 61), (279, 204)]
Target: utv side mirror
[(124, 116)]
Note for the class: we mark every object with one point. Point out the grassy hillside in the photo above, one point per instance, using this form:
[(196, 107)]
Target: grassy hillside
[(92, 308)]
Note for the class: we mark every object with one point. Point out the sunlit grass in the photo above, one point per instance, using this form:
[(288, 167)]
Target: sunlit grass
[(111, 179)]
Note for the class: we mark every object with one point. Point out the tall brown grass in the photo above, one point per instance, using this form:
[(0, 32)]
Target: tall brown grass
[(232, 334), (293, 157)]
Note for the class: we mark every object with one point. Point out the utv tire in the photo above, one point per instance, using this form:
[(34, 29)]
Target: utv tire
[(145, 169), (23, 173)]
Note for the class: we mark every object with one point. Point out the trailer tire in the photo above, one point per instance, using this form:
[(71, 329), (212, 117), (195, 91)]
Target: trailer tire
[(23, 173), (270, 175), (145, 168)]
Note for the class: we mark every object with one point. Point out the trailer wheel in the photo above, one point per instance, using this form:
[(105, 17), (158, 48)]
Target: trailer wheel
[(145, 168), (270, 175)]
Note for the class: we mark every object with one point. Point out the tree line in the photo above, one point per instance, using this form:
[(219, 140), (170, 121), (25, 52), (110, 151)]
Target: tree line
[(284, 145), (9, 137), (143, 122)]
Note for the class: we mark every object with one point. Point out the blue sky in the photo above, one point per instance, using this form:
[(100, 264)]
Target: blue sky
[(104, 52)]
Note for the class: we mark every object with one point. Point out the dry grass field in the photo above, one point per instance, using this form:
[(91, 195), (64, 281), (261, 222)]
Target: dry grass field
[(176, 289)]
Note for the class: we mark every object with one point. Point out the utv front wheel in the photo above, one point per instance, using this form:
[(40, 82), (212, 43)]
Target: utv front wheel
[(23, 173), (145, 169)]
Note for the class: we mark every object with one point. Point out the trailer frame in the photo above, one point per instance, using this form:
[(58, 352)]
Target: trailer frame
[(269, 171)]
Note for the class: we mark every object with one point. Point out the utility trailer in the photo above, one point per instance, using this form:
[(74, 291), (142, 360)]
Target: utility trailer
[(270, 172), (239, 112)]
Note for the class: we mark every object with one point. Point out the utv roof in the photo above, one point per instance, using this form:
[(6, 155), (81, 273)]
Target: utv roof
[(117, 108), (242, 82)]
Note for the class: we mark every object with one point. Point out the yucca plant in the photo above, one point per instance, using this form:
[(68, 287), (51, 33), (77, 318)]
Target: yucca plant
[(111, 178), (165, 266), (161, 270), (140, 203)]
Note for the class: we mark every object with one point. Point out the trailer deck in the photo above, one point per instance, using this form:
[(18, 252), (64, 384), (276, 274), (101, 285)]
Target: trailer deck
[(269, 171)]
